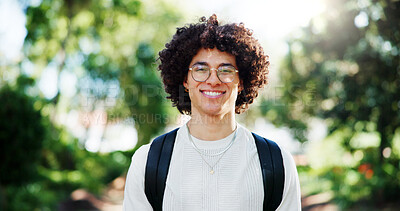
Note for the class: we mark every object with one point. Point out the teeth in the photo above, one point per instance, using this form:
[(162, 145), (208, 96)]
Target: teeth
[(212, 93)]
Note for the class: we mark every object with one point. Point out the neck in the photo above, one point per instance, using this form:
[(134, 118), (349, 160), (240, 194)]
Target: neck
[(211, 128)]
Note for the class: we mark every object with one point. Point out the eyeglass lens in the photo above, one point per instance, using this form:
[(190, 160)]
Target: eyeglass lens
[(201, 73)]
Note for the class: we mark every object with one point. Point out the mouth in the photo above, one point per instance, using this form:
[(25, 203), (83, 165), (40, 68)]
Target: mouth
[(212, 94)]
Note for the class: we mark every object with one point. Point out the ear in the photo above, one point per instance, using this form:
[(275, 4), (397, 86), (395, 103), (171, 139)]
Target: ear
[(185, 83)]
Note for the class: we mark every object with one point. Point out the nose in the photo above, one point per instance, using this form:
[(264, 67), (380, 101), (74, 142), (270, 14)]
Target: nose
[(213, 79)]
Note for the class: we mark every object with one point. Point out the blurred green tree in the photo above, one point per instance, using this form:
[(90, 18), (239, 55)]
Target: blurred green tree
[(110, 47), (21, 139), (105, 51), (344, 68)]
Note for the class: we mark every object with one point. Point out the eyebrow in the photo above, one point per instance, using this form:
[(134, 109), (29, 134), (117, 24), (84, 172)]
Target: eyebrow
[(222, 64)]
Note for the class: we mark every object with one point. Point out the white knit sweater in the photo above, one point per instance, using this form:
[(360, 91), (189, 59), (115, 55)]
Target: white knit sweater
[(235, 185)]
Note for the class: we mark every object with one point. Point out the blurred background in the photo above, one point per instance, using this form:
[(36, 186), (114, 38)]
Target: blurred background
[(80, 92)]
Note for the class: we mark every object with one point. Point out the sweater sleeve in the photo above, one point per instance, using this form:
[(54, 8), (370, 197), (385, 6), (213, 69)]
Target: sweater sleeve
[(134, 195), (291, 199)]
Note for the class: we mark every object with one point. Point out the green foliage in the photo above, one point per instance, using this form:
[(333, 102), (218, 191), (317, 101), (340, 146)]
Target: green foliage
[(109, 47), (63, 167), (146, 96), (347, 73), (21, 137), (44, 164), (281, 114)]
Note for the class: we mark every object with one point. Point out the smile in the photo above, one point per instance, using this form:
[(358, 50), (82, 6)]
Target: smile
[(212, 94)]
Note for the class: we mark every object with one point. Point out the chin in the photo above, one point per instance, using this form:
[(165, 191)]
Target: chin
[(214, 111)]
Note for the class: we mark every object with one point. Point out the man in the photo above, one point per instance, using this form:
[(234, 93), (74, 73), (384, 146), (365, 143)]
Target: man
[(211, 72)]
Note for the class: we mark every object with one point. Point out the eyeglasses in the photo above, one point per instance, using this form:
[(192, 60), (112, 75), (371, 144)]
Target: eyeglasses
[(225, 73)]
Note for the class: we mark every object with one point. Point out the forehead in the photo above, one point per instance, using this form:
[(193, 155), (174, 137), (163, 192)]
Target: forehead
[(213, 57)]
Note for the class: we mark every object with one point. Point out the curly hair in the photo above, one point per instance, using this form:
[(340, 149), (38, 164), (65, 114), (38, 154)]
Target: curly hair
[(232, 38)]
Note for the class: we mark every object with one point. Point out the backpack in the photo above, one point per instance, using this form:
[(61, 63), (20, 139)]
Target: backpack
[(159, 158)]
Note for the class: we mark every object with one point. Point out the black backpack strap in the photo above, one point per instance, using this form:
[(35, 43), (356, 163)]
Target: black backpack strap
[(157, 166), (273, 171)]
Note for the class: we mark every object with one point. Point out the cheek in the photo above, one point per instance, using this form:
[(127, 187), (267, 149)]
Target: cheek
[(236, 87), (191, 84)]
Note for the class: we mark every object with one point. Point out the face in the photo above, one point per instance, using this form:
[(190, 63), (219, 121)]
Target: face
[(212, 97)]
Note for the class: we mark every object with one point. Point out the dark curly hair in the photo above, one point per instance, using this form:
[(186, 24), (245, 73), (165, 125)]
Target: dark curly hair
[(232, 38)]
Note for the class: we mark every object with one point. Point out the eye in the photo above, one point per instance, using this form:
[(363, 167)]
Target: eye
[(200, 68), (227, 69)]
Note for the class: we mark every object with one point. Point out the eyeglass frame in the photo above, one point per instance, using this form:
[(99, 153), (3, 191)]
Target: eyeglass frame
[(209, 73)]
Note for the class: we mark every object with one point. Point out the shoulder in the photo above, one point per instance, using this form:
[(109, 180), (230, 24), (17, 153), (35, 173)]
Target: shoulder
[(288, 162), (246, 134), (142, 151), (291, 191), (139, 158)]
